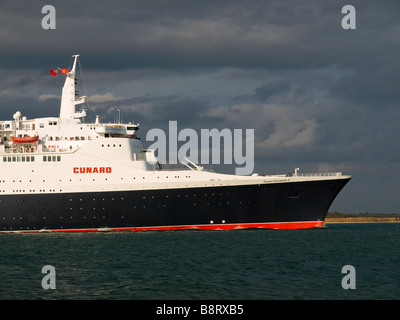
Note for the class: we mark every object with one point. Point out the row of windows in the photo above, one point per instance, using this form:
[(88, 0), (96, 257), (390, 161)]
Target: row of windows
[(51, 158), (19, 159), (54, 123), (109, 145), (112, 198), (23, 191), (70, 138), (30, 158), (71, 180)]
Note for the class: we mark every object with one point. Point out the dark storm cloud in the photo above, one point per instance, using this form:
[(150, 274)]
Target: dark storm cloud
[(316, 95), (178, 34), (154, 111)]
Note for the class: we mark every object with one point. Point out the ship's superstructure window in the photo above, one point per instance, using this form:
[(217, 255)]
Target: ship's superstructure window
[(51, 158)]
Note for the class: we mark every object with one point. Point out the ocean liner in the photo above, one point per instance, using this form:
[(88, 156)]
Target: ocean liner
[(63, 174)]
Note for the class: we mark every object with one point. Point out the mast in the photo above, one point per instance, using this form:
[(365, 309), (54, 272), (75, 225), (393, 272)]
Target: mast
[(68, 101)]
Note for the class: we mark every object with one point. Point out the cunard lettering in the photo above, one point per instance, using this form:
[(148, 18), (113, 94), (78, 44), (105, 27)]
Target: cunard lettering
[(92, 169)]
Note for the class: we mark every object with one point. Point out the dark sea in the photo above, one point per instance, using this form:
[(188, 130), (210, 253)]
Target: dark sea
[(206, 265)]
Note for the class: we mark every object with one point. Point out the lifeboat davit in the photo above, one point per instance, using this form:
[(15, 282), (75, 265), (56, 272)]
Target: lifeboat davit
[(26, 139)]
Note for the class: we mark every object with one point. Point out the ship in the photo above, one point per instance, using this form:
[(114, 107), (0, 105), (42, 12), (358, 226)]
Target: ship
[(63, 174)]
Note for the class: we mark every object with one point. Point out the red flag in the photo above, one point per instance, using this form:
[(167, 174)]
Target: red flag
[(65, 71), (53, 72)]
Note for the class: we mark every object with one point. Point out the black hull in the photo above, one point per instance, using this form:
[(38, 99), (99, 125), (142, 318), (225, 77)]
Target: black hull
[(227, 207)]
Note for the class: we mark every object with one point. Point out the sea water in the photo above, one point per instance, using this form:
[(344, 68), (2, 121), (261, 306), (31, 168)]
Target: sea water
[(191, 264)]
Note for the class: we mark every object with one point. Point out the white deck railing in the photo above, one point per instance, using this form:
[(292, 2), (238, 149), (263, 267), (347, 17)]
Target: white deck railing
[(318, 174)]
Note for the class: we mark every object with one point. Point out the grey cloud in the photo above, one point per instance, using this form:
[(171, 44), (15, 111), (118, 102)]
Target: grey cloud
[(266, 91)]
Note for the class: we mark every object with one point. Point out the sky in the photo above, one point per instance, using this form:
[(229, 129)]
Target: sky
[(318, 96)]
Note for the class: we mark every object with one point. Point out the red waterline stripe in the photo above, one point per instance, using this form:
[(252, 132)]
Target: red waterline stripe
[(229, 226)]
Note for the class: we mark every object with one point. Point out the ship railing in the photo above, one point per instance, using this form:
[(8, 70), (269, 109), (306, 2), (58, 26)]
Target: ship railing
[(316, 174), (36, 150)]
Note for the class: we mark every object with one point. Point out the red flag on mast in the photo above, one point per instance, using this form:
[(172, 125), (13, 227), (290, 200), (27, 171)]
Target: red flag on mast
[(53, 72)]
